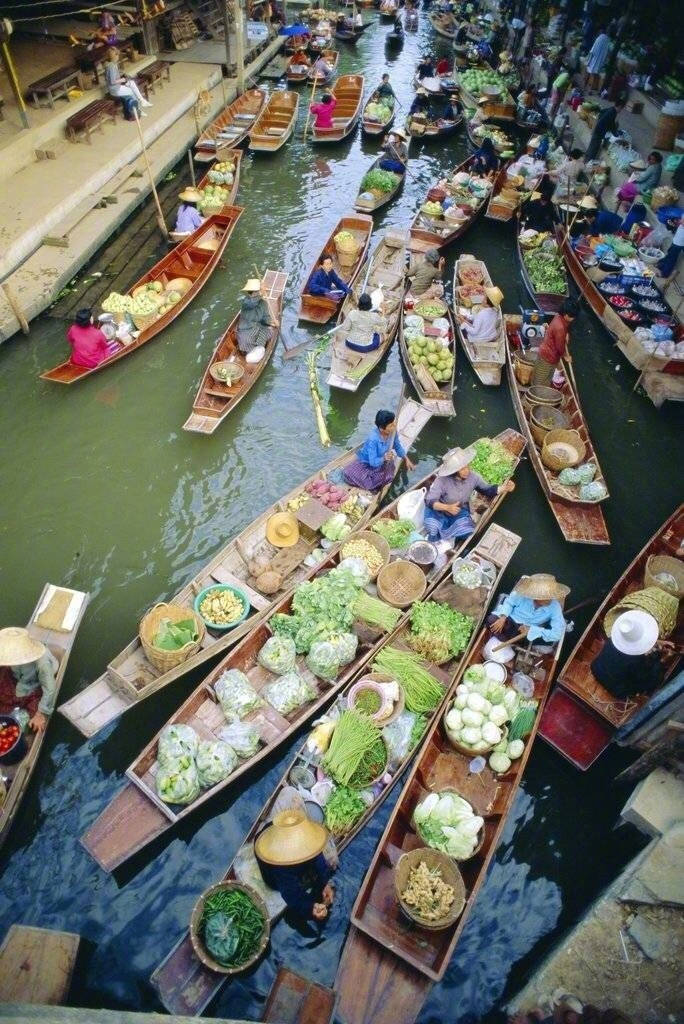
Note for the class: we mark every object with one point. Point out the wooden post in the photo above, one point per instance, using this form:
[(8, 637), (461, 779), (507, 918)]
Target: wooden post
[(160, 216), (13, 301), (240, 47), (5, 32), (226, 32)]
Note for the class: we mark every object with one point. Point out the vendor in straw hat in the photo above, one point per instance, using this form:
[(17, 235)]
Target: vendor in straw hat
[(629, 661), (189, 218), (27, 676), (255, 322), (421, 102), (533, 609), (396, 152), (538, 212), (447, 507), (289, 853), (426, 279), (485, 322)]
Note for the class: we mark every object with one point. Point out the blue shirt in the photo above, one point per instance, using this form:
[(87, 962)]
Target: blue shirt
[(321, 282), (375, 447), (546, 621)]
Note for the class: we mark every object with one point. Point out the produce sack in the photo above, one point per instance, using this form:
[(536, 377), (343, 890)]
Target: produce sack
[(236, 694), (242, 737), (176, 741), (593, 491), (345, 645), (278, 655), (215, 761), (177, 780), (398, 735), (323, 660), (289, 692)]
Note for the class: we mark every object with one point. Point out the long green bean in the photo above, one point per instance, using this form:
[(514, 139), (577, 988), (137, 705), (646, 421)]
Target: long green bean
[(422, 692)]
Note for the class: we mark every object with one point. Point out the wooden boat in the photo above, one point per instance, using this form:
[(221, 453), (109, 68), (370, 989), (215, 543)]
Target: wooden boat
[(332, 59), (275, 124), (232, 125), (236, 157), (321, 37), (489, 357), (433, 85), (294, 43), (581, 522), (547, 302), (385, 268), (130, 677), (444, 25), (389, 963), (581, 716), (297, 72), (215, 399), (371, 125), (57, 609), (505, 198), (498, 108), (317, 308), (348, 91), (369, 202), (350, 35), (293, 999), (439, 129), (195, 258), (508, 146), (431, 233), (183, 983), (438, 397)]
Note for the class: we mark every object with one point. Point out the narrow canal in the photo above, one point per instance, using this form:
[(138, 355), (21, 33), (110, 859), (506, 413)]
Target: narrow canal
[(103, 490)]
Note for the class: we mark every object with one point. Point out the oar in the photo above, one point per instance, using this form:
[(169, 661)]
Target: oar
[(308, 116), (290, 353), (402, 395), (507, 643)]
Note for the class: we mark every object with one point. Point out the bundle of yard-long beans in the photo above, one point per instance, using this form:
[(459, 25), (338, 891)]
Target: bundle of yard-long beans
[(375, 612), (422, 692), (354, 737)]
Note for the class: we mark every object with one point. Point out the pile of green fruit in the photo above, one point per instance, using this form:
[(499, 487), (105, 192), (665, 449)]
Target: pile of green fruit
[(476, 79), (213, 197), (437, 360)]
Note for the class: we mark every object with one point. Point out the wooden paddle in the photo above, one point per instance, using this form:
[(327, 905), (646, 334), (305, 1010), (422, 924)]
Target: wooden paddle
[(507, 643), (308, 116)]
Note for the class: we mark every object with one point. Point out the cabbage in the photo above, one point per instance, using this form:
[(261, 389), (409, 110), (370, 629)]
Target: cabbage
[(498, 715), (289, 692), (242, 737), (499, 762), (496, 693), (475, 674), (236, 694), (447, 823), (486, 707), (346, 645), (177, 780), (177, 741), (454, 720), (515, 749), (462, 689), (358, 569), (511, 700), (336, 528), (216, 760), (491, 734), (471, 735), (471, 717), (323, 659), (278, 655), (461, 701), (475, 702)]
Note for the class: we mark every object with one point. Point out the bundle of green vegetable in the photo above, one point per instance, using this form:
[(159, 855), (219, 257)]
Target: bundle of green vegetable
[(379, 181), (343, 810), (397, 532), (418, 730), (375, 612), (320, 607), (231, 927), (354, 739), (438, 632), (492, 461), (171, 636), (422, 692), (546, 271), (371, 767), (476, 79)]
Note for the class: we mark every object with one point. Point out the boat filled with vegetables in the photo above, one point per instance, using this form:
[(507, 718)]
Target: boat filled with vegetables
[(471, 286), (542, 269), (450, 207), (427, 342)]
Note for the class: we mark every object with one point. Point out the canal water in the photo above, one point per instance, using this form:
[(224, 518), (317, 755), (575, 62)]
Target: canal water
[(102, 490)]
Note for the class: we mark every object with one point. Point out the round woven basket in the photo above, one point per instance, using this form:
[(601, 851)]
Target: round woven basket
[(657, 602), (401, 583), (149, 624), (379, 677), (478, 847), (523, 366), (432, 316), (468, 751), (450, 874), (143, 320), (539, 394), (198, 944), (668, 565), (237, 372), (538, 413), (556, 459), (378, 542)]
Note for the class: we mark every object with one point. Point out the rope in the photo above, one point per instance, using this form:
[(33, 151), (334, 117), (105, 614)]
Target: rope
[(65, 14)]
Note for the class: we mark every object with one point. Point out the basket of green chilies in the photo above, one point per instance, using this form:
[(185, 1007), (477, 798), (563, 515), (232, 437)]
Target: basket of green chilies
[(229, 927)]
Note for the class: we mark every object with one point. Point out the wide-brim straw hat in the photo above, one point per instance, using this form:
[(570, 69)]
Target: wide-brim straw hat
[(638, 165), (482, 100), (291, 838), (399, 133), (455, 460), (634, 632), (190, 195), (282, 530), (17, 646), (495, 295), (253, 285), (542, 586), (588, 203)]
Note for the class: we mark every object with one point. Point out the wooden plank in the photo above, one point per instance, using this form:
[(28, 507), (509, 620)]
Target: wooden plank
[(132, 822), (294, 999), (374, 994), (36, 965)]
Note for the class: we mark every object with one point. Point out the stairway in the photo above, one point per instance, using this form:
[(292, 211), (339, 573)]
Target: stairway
[(210, 15)]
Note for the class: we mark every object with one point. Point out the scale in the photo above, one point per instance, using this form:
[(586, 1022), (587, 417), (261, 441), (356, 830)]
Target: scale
[(533, 327)]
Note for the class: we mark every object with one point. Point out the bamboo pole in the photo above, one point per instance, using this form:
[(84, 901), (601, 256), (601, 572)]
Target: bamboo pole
[(316, 399), (192, 168), (160, 215), (14, 305), (14, 83), (308, 116)]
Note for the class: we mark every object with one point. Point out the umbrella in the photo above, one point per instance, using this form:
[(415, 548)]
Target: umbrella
[(295, 30)]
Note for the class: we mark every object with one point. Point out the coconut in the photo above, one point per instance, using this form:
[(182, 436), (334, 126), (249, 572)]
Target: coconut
[(269, 582)]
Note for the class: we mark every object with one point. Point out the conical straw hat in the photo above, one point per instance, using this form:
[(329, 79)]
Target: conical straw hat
[(190, 195), (455, 460), (292, 838), (542, 586), (17, 646)]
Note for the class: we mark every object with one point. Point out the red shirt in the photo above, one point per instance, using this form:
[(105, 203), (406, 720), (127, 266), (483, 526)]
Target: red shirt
[(88, 345), (324, 113), (552, 348), (443, 66)]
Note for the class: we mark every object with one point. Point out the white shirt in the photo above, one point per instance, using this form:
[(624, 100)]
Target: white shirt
[(679, 235), (483, 326)]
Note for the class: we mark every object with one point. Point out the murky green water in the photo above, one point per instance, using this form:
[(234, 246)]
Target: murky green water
[(102, 490)]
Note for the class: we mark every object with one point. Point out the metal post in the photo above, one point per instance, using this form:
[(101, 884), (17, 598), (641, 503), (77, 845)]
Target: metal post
[(226, 32), (240, 47)]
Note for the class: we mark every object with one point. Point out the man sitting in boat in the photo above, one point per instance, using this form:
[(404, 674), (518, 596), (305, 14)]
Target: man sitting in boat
[(554, 346), (629, 661), (451, 111), (27, 676), (362, 328), (322, 68), (447, 508), (533, 609), (374, 465), (89, 345), (485, 159), (324, 281), (427, 278), (255, 322), (323, 111), (396, 152), (483, 324), (358, 20), (289, 853), (188, 218), (426, 69), (385, 91), (538, 213)]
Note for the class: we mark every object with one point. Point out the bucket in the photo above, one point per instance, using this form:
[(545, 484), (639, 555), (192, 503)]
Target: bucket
[(17, 752), (524, 367), (412, 506)]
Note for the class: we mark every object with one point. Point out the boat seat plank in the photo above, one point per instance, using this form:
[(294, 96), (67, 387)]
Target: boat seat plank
[(128, 823), (371, 996), (296, 1000), (36, 965), (95, 707)]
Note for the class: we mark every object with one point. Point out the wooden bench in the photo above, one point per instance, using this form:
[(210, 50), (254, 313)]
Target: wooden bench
[(150, 77), (93, 59), (90, 117), (56, 84)]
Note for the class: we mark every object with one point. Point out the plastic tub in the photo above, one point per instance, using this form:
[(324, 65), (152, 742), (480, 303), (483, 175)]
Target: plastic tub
[(222, 627), (665, 213), (17, 752)]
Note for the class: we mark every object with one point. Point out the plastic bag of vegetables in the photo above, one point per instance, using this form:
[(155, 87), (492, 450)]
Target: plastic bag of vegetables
[(176, 741), (336, 528), (323, 660), (358, 569), (177, 780), (242, 737), (215, 761), (345, 644), (236, 694), (278, 655), (289, 692), (447, 822)]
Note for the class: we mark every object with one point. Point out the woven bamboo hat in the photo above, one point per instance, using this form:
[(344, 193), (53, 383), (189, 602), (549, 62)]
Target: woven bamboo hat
[(495, 295), (282, 530), (291, 838), (588, 203), (638, 165), (17, 646), (455, 460), (399, 133), (190, 195), (542, 586), (634, 632), (253, 285)]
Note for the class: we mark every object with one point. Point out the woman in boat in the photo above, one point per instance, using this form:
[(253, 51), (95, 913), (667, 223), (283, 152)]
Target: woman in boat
[(385, 91), (629, 661), (188, 218), (533, 609), (89, 344), (255, 322), (300, 59), (324, 281), (323, 111), (289, 853), (452, 111), (485, 159), (123, 88), (420, 104), (566, 175), (374, 465), (539, 214), (396, 152), (554, 346), (322, 69), (483, 325), (426, 281), (27, 676), (447, 508), (363, 328)]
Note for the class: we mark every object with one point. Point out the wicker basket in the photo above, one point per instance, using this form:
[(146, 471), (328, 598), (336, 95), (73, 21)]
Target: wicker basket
[(378, 542), (149, 624), (450, 874), (347, 259), (143, 320), (665, 564), (537, 428), (196, 918), (523, 366), (556, 461), (401, 583), (657, 602), (432, 302), (539, 394)]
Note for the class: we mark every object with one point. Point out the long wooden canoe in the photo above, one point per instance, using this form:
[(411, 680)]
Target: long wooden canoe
[(387, 268), (444, 25), (332, 59), (547, 302), (508, 146), (55, 622), (275, 124), (297, 72), (183, 983), (350, 35), (504, 207), (487, 358), (371, 125), (438, 397), (581, 522), (318, 309), (348, 91), (432, 233), (232, 125), (214, 399), (130, 677), (389, 963), (194, 258), (369, 202), (581, 717), (439, 129), (236, 157)]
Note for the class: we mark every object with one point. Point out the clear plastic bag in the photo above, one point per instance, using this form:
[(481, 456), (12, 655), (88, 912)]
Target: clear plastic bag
[(176, 741), (242, 737), (397, 736), (289, 692), (278, 655), (216, 760), (236, 694)]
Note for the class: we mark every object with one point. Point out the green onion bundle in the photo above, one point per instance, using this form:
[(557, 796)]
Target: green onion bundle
[(375, 612), (354, 737), (422, 692)]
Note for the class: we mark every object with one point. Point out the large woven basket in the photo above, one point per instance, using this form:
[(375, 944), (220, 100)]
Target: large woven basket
[(149, 624), (552, 457), (401, 583), (378, 542), (549, 413), (665, 564), (143, 320), (197, 943), (657, 602), (450, 874), (383, 677)]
